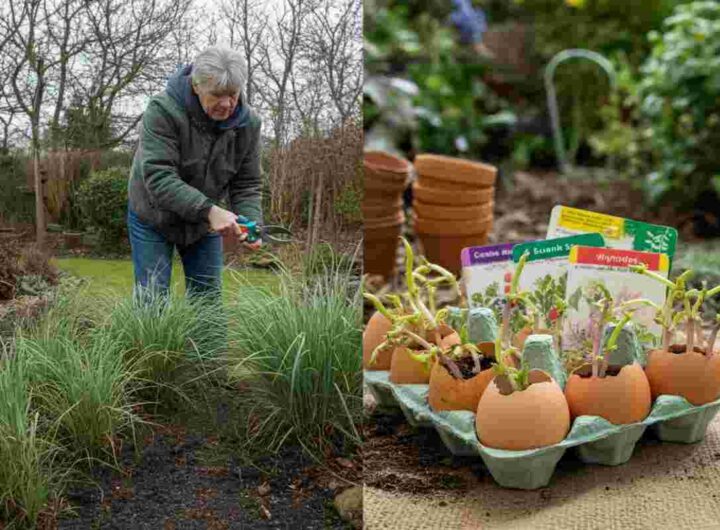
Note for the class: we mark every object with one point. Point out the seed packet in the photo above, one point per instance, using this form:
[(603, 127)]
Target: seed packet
[(590, 269), (485, 273), (618, 232), (545, 273)]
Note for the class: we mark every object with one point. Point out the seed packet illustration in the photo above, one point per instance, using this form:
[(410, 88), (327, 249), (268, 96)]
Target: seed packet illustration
[(486, 272), (618, 232), (545, 273), (592, 270)]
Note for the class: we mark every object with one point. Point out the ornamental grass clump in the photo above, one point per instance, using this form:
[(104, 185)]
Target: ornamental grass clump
[(159, 334), (690, 369), (85, 388), (29, 472), (294, 352)]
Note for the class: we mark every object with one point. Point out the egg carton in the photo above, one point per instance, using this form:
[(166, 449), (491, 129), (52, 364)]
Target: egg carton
[(595, 440)]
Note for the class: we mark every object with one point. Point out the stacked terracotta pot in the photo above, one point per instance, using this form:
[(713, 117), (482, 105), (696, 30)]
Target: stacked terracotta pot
[(386, 177), (453, 203)]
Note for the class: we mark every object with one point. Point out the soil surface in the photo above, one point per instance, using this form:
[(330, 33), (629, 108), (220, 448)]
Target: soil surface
[(522, 207), (399, 458), (172, 488), (466, 365)]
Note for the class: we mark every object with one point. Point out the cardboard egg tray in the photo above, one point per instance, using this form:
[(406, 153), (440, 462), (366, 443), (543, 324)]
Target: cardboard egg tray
[(596, 441)]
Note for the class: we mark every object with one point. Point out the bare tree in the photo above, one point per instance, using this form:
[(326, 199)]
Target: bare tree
[(128, 58), (22, 27), (247, 24), (280, 53), (335, 46)]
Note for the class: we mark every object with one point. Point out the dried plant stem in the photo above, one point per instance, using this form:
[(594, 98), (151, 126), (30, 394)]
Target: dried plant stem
[(476, 362), (451, 366), (690, 332), (417, 338), (710, 347)]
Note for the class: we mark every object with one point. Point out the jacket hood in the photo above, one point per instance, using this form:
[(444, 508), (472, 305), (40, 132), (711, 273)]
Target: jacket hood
[(179, 87)]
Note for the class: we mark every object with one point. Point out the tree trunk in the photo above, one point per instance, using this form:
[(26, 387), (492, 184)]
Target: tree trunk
[(317, 217), (39, 197)]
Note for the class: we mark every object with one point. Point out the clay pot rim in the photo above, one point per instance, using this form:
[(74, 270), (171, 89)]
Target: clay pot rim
[(466, 227), (455, 169), (472, 209), (428, 180), (461, 163), (386, 162), (484, 190)]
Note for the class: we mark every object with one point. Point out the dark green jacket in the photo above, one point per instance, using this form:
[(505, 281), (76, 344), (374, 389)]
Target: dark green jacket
[(185, 162)]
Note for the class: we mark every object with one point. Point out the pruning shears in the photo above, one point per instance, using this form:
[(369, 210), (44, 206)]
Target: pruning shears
[(254, 231)]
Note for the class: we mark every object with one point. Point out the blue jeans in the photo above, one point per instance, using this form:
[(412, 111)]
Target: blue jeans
[(152, 261)]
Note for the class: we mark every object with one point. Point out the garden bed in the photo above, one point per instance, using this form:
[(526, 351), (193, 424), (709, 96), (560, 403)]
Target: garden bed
[(178, 485)]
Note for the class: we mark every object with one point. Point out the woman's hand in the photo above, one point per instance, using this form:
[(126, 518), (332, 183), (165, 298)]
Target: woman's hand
[(223, 221)]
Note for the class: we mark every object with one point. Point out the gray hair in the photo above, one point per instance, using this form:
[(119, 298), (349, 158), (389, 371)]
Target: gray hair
[(219, 68)]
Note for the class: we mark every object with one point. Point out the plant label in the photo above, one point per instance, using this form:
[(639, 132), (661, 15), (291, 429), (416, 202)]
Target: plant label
[(486, 272), (618, 232), (545, 272), (592, 269)]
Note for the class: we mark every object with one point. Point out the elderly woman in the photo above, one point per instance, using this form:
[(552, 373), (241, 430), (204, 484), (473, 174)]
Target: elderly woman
[(199, 144)]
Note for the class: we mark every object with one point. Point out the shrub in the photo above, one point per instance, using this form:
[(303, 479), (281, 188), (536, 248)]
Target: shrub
[(614, 28), (10, 269), (16, 203), (103, 201), (681, 99), (24, 269)]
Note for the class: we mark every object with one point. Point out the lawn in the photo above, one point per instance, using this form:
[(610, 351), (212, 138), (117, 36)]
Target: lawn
[(116, 276)]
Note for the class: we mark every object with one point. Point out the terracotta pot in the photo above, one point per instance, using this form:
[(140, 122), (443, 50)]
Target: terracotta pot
[(455, 213), (380, 249), (395, 218), (620, 399), (385, 173), (535, 417), (386, 205), (404, 370), (381, 186), (380, 161), (374, 335), (452, 227), (692, 375), (445, 250), (448, 393), (442, 195), (429, 181), (457, 170)]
